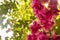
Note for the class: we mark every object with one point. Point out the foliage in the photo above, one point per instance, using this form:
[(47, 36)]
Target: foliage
[(20, 16)]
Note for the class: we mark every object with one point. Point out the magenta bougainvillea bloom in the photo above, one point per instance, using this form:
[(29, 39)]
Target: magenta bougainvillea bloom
[(43, 14), (42, 36), (35, 26), (45, 17), (53, 6), (31, 37), (39, 36)]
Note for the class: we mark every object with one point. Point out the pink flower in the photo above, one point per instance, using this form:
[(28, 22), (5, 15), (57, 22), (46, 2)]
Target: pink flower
[(53, 6), (35, 26), (31, 37), (45, 17), (36, 5), (39, 36), (42, 36), (43, 14), (48, 25)]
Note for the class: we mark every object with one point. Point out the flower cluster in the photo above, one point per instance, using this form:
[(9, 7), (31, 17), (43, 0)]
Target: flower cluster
[(35, 27), (43, 14), (45, 17), (39, 36)]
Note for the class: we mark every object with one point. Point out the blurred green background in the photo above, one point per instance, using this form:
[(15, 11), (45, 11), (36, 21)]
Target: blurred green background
[(19, 14)]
